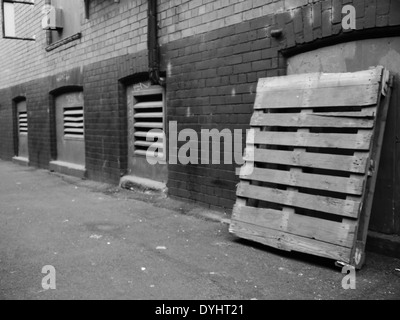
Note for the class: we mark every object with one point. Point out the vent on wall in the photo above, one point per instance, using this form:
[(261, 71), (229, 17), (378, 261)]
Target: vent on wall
[(23, 122), (73, 122), (148, 115)]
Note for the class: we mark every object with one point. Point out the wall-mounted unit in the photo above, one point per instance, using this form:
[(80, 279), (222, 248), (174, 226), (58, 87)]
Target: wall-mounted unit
[(53, 19)]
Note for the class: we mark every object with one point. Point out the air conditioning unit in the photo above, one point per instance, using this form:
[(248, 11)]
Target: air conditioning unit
[(53, 19)]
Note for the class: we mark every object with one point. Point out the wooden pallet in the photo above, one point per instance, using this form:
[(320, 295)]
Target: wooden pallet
[(311, 163)]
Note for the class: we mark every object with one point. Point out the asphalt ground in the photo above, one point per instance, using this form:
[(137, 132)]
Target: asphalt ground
[(105, 242)]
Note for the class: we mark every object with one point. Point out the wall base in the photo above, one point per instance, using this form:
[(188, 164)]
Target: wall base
[(21, 161), (388, 245), (133, 182), (67, 168)]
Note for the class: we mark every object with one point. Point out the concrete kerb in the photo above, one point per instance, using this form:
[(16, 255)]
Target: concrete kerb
[(142, 184)]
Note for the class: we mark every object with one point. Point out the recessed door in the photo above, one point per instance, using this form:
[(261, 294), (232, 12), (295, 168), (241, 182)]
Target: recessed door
[(70, 128), (146, 126), (22, 123)]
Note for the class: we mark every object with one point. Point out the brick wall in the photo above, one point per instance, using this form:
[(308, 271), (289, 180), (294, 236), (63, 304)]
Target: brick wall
[(112, 30), (212, 51), (112, 48)]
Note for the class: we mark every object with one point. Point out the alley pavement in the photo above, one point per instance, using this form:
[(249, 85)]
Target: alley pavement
[(110, 243)]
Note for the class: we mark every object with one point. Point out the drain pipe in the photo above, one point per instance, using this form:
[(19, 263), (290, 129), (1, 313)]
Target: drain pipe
[(152, 45), (49, 39)]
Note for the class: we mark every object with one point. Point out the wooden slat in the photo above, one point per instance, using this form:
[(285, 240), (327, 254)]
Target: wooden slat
[(376, 157), (149, 134), (73, 124), (307, 159), (145, 153), (288, 242), (308, 120), (319, 80), (70, 130), (318, 98), (73, 112), (74, 136), (345, 208), (75, 119), (156, 125), (148, 144), (368, 112), (148, 105), (360, 141), (149, 115), (323, 230), (153, 90), (299, 179)]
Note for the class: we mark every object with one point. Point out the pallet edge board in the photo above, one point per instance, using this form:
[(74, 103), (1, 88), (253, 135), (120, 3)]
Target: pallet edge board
[(313, 80), (334, 232), (318, 98), (351, 185), (305, 159), (288, 242)]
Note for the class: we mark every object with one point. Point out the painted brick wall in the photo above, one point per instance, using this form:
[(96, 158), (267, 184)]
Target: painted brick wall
[(113, 29)]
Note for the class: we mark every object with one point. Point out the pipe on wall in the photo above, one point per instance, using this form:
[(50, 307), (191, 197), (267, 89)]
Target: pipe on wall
[(153, 46), (49, 39)]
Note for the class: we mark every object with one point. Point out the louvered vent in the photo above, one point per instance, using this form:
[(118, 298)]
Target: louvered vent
[(73, 122), (148, 115), (23, 122)]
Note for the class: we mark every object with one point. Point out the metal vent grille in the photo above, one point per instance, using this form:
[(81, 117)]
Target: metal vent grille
[(148, 115), (73, 122), (23, 122)]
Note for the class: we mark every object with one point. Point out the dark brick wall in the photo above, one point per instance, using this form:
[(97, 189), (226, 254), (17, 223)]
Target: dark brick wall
[(106, 115), (37, 106), (6, 125), (212, 85)]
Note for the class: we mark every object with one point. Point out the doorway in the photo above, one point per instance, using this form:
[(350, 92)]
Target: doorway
[(22, 150), (70, 134), (146, 112), (356, 56)]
